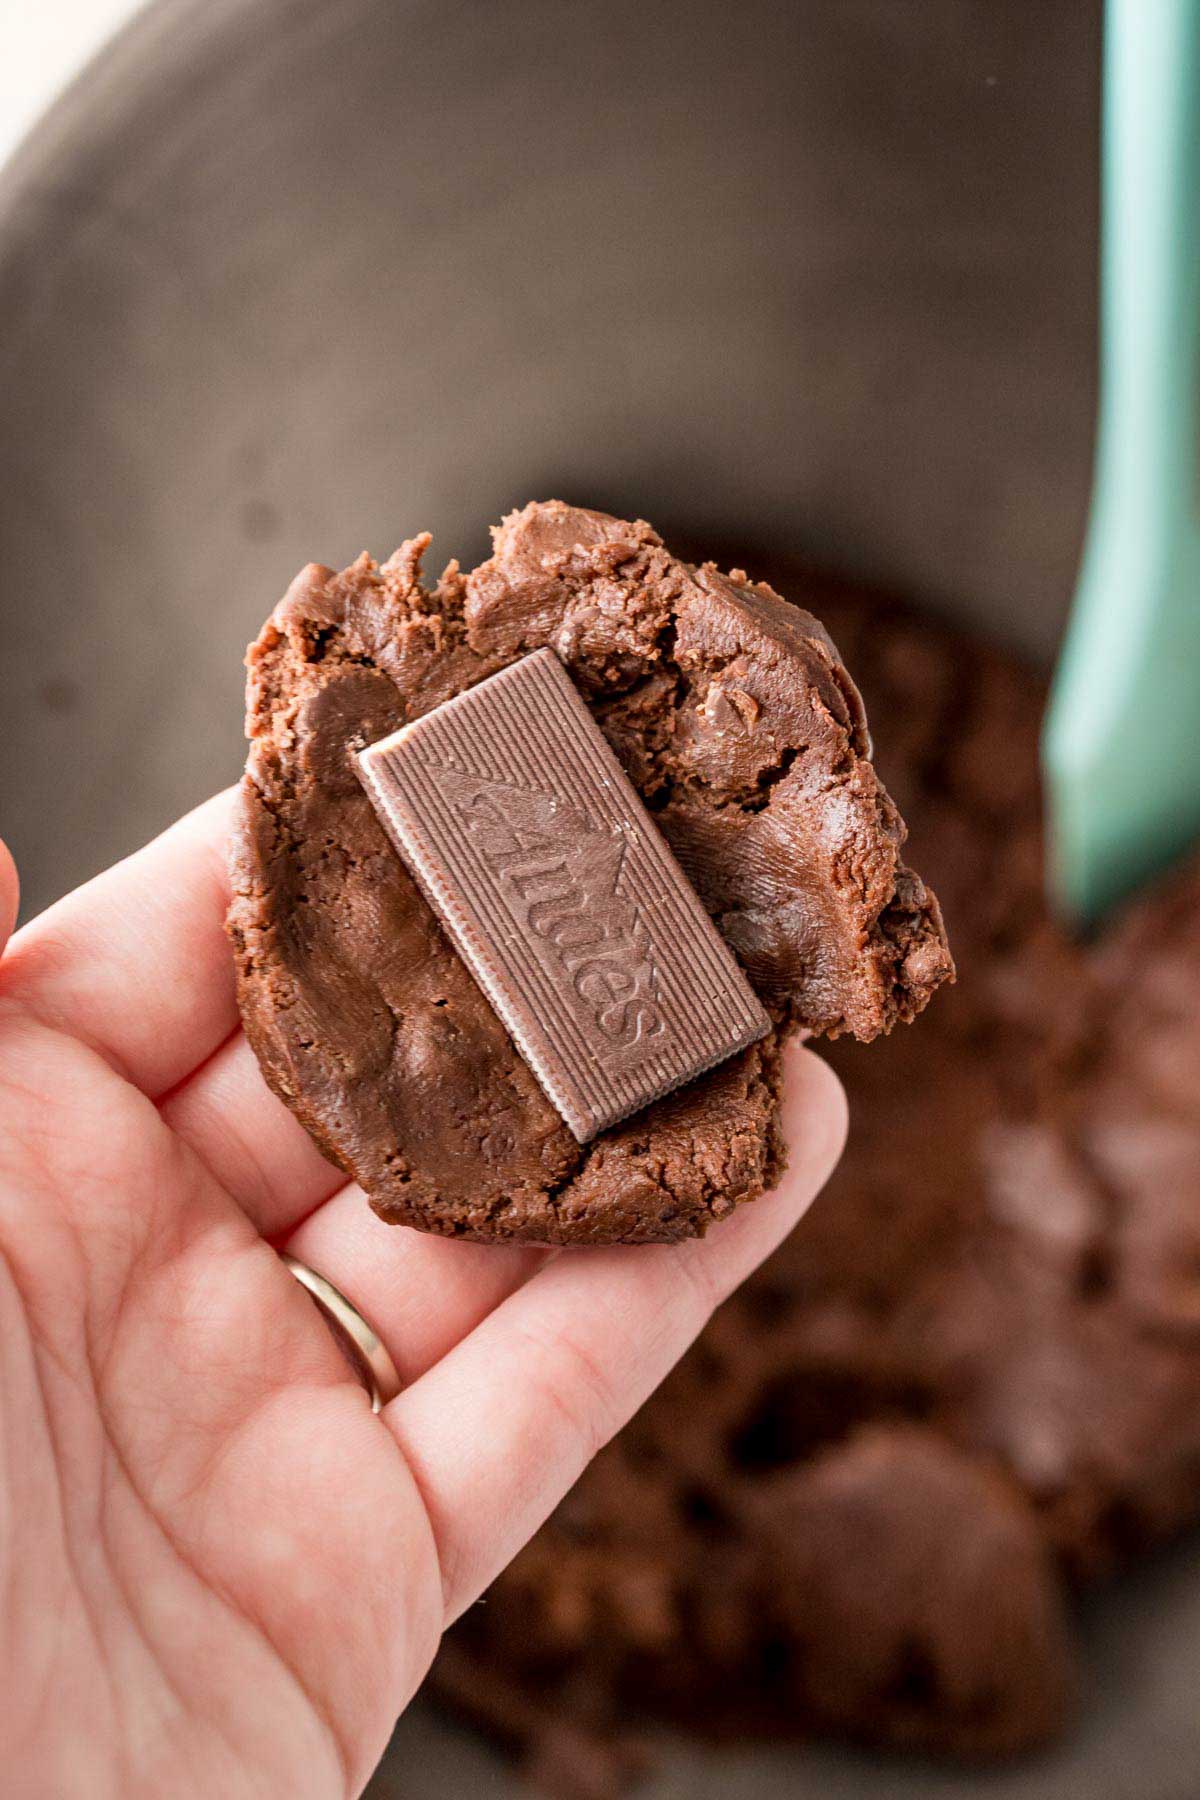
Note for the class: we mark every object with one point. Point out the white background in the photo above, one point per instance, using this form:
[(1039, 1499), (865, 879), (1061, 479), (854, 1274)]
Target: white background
[(43, 45)]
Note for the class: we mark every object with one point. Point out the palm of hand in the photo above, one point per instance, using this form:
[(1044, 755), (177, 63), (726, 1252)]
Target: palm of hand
[(225, 1574), (196, 1567)]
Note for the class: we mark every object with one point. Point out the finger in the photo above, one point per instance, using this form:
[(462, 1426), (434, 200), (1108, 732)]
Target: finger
[(421, 1294), (10, 890), (136, 963), (498, 1430), (258, 1151)]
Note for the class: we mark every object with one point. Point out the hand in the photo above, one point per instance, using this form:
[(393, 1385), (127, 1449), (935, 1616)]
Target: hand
[(222, 1574)]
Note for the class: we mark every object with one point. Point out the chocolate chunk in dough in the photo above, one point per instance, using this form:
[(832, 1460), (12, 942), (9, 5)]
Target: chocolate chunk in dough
[(736, 721), (548, 875)]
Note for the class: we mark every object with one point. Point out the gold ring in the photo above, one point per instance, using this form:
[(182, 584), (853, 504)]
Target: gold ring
[(364, 1349)]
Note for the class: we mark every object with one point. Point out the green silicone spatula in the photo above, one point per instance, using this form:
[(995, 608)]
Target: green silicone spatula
[(1122, 744)]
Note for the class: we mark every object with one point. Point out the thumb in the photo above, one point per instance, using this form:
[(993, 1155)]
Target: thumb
[(9, 891)]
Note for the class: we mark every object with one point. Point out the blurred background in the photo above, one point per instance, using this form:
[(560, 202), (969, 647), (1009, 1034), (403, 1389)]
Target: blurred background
[(811, 285)]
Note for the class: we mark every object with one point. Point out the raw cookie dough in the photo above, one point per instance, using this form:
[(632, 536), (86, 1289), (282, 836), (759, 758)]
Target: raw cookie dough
[(737, 722), (968, 1383)]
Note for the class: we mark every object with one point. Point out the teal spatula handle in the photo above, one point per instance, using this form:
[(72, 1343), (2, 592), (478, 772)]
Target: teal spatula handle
[(1122, 746)]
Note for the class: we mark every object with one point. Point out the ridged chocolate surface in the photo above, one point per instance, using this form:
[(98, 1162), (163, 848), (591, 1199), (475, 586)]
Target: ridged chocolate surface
[(560, 895)]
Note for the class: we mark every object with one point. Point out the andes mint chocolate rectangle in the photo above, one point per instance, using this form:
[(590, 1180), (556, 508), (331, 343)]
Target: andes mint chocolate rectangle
[(560, 894)]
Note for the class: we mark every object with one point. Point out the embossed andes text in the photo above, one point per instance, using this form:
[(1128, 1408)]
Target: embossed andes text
[(560, 894)]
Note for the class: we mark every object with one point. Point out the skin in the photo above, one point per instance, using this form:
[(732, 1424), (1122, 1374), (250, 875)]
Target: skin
[(221, 1573)]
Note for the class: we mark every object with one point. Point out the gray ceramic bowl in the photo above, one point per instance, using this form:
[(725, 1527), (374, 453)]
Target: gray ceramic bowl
[(284, 278)]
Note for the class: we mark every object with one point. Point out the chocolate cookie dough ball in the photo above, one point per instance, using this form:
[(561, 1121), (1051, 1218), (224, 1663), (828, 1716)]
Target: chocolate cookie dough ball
[(957, 1628), (737, 722)]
